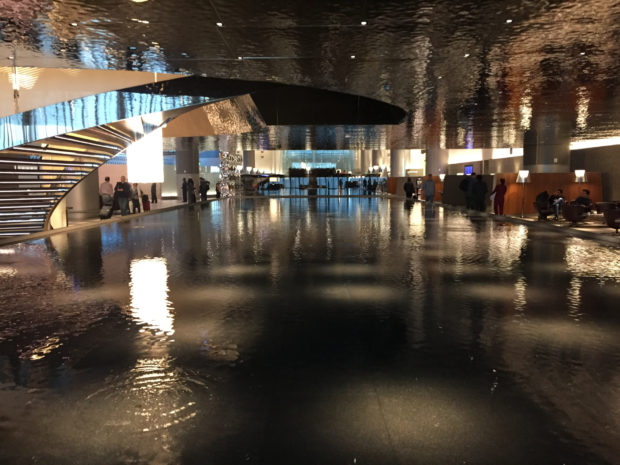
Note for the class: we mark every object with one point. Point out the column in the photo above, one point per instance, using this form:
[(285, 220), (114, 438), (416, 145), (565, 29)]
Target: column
[(376, 158), (249, 158), (357, 162), (398, 162), (187, 162), (436, 160), (546, 146), (366, 160)]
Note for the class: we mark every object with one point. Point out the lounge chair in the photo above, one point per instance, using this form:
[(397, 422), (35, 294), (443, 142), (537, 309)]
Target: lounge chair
[(574, 212), (612, 218)]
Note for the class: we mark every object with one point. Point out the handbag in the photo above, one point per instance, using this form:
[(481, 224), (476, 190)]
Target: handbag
[(492, 197)]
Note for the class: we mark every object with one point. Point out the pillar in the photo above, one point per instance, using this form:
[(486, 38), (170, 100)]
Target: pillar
[(546, 146), (398, 162), (357, 162), (249, 158), (436, 160), (376, 158), (366, 160), (187, 161)]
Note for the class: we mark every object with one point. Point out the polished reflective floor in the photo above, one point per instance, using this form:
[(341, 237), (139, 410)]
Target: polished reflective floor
[(300, 331)]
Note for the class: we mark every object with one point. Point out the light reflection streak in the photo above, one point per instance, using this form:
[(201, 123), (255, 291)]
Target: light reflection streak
[(149, 294), (520, 300), (574, 298), (586, 259)]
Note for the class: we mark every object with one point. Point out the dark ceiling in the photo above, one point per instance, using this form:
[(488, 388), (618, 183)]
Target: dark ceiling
[(468, 73)]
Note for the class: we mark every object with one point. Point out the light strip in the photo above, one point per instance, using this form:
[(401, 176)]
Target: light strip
[(42, 181), (32, 220), (116, 133), (23, 213), (37, 191), (13, 207), (20, 161), (45, 172), (13, 199), (86, 142), (592, 143), (22, 148)]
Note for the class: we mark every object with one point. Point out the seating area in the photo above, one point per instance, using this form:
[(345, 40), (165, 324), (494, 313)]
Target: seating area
[(543, 208), (612, 218), (574, 212)]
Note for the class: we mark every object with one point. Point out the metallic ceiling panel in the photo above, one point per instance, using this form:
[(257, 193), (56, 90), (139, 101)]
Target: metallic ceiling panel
[(468, 73), (233, 116), (82, 113)]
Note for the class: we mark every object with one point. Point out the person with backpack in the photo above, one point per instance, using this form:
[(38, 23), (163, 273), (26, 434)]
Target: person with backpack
[(409, 189)]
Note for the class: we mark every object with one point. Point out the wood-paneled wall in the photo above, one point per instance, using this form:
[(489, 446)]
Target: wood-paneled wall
[(550, 182)]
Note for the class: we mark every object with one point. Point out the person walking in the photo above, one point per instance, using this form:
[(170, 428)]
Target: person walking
[(479, 192), (498, 201), (429, 189), (122, 191), (184, 189), (153, 193), (409, 189), (136, 193), (190, 191), (467, 186)]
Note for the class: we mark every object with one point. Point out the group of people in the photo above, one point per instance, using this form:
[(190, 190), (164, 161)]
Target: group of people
[(428, 187), (188, 190), (475, 190), (123, 192), (557, 200), (370, 186)]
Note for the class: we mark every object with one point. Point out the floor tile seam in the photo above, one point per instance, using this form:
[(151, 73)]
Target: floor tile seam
[(385, 424)]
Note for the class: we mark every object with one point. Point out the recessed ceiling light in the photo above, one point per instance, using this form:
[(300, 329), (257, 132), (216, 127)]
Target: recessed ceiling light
[(352, 57), (363, 23), (218, 24), (239, 58), (582, 53), (439, 77), (139, 1), (73, 24), (508, 21), (466, 55)]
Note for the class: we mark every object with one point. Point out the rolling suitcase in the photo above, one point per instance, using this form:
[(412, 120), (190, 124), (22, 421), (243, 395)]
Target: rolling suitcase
[(105, 212), (107, 208)]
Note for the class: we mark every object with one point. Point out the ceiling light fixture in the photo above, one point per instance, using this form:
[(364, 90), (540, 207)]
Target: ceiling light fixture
[(466, 55), (73, 24), (218, 24), (239, 58), (508, 21), (582, 53), (139, 1), (352, 57), (363, 23)]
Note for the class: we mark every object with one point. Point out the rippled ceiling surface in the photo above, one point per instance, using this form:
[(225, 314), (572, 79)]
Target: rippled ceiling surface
[(469, 73)]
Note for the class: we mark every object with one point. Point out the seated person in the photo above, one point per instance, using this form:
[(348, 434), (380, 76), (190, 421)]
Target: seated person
[(585, 200), (543, 197), (556, 201)]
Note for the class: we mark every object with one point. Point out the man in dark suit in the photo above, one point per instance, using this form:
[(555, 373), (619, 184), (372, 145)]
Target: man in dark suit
[(122, 191)]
